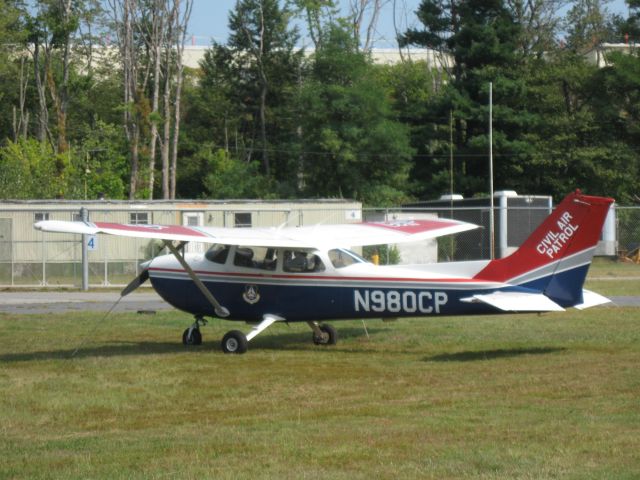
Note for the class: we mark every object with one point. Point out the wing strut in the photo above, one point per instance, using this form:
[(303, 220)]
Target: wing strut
[(219, 309)]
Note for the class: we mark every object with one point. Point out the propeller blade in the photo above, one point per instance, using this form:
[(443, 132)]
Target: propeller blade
[(135, 283)]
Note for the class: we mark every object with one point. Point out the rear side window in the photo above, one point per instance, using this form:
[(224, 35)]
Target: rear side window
[(300, 261), (261, 258)]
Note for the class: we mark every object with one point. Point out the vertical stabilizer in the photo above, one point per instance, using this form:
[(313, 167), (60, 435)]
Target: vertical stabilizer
[(556, 256)]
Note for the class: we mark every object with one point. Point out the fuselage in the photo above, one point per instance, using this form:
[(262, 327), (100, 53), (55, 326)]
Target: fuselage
[(309, 285)]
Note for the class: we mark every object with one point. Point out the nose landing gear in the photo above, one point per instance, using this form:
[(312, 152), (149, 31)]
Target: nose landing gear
[(192, 335)]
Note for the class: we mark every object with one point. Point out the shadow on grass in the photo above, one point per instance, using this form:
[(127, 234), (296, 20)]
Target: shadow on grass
[(112, 350), (472, 356), (302, 340), (276, 341)]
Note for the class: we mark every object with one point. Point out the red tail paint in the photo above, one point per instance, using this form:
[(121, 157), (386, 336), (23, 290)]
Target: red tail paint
[(573, 227)]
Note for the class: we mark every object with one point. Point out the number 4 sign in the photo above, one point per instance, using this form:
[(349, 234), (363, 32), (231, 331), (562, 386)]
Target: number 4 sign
[(92, 242)]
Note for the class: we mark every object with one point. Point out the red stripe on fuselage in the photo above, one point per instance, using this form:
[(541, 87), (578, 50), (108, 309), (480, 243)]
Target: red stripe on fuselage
[(318, 277)]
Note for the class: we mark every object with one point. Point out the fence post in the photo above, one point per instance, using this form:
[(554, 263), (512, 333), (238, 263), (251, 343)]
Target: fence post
[(84, 216)]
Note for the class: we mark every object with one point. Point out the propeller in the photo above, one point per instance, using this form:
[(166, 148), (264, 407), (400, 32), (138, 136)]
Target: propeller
[(135, 283)]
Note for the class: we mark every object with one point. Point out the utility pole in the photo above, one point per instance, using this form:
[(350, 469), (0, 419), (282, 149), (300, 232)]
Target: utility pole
[(84, 216), (491, 216)]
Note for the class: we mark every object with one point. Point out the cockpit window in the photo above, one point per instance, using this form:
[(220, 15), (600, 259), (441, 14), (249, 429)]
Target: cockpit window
[(218, 253), (343, 258), (301, 261), (255, 257)]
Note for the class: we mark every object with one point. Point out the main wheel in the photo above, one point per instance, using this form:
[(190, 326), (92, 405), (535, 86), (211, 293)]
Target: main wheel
[(329, 337), (234, 342), (192, 336)]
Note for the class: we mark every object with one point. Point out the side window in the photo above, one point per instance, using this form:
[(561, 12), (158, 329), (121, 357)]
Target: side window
[(218, 254), (300, 261), (242, 219), (261, 258), (40, 216), (139, 218)]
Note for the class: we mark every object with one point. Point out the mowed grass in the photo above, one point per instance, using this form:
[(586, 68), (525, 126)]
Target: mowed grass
[(612, 277), (527, 396)]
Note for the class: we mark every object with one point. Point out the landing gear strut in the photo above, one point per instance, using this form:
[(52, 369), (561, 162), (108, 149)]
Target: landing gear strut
[(192, 335), (323, 334), (237, 342)]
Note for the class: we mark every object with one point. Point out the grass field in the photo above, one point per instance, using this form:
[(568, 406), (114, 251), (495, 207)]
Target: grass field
[(534, 397), (611, 277)]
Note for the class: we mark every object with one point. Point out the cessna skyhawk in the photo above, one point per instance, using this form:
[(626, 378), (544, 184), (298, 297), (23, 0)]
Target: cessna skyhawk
[(309, 274)]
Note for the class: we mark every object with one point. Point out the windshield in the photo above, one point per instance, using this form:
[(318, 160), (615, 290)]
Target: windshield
[(341, 258)]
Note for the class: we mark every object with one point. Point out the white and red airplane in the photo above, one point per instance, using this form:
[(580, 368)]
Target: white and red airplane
[(307, 274)]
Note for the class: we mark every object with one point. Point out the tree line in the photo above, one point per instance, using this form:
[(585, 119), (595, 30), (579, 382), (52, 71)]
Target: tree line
[(96, 100)]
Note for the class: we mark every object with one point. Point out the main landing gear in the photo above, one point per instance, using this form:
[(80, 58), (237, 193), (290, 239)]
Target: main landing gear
[(237, 342), (323, 334)]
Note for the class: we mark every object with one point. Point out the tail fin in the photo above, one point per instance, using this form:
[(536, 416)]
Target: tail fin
[(556, 256)]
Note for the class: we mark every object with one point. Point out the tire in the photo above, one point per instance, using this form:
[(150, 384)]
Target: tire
[(234, 342), (331, 337), (194, 339)]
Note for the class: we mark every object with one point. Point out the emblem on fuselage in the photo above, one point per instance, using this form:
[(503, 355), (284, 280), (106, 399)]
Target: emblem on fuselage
[(251, 294)]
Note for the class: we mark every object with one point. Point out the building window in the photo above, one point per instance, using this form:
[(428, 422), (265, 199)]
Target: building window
[(139, 218), (242, 220), (40, 216)]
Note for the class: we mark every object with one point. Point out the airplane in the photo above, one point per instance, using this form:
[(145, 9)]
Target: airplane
[(309, 274)]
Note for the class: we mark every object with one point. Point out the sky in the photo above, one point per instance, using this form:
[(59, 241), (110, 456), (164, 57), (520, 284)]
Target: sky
[(209, 20)]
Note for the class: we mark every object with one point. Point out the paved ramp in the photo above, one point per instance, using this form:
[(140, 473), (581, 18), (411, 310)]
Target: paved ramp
[(56, 302)]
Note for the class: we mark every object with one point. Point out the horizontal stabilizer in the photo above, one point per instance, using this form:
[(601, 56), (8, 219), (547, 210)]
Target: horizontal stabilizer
[(591, 299), (517, 302)]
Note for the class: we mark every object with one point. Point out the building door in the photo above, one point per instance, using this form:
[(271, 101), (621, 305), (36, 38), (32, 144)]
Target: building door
[(6, 251), (194, 219)]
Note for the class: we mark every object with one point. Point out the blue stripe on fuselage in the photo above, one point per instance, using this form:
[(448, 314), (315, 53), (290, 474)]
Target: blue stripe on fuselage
[(317, 302)]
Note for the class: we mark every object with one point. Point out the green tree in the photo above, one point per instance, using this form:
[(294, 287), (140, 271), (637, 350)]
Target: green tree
[(350, 143), (485, 43), (27, 170), (258, 69), (580, 136)]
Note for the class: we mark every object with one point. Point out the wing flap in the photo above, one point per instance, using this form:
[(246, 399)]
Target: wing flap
[(516, 302)]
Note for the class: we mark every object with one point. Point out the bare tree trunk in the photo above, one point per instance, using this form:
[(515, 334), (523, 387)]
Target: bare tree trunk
[(258, 53), (123, 16), (166, 100), (43, 111), (358, 10), (156, 40), (63, 97), (21, 122), (181, 28)]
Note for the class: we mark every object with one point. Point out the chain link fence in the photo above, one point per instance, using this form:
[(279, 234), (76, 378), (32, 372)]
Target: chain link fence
[(628, 233), (30, 258)]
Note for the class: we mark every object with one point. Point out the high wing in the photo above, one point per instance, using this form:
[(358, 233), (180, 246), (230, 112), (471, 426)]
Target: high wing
[(319, 236)]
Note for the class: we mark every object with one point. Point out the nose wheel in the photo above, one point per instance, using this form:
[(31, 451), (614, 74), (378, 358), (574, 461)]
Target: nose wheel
[(192, 335)]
